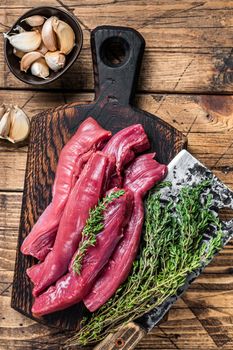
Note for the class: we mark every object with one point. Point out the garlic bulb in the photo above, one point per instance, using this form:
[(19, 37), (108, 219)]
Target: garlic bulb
[(65, 35), (28, 59), (18, 53), (5, 123), (34, 21), (40, 69), (48, 35), (55, 60), (26, 41), (20, 125)]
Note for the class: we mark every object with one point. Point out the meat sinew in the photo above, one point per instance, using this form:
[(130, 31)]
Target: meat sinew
[(72, 287), (89, 137), (84, 196), (140, 176), (123, 146)]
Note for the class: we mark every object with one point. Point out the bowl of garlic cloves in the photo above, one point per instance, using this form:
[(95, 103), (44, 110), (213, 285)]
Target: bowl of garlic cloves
[(42, 45)]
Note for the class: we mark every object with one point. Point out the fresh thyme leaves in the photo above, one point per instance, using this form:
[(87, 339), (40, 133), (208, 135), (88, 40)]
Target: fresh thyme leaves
[(93, 226), (174, 245)]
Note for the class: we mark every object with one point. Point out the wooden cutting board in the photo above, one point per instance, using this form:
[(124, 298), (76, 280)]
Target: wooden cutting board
[(117, 54)]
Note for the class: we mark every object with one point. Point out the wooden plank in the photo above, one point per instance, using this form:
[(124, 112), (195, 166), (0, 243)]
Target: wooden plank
[(203, 119), (188, 44), (207, 120), (10, 205)]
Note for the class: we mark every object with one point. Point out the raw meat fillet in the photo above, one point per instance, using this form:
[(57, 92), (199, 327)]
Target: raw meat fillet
[(84, 196), (72, 287), (89, 137), (140, 176), (123, 146)]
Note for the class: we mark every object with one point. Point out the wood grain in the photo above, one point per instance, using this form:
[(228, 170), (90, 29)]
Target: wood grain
[(188, 43), (189, 49), (205, 124), (183, 328), (49, 132)]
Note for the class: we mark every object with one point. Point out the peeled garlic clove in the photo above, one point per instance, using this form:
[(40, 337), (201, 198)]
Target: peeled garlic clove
[(28, 59), (5, 123), (55, 60), (65, 35), (48, 35), (26, 41), (2, 110), (42, 48), (18, 53), (34, 21), (40, 69), (19, 125)]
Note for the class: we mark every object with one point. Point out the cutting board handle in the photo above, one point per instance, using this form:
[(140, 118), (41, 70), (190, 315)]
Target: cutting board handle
[(117, 55), (126, 338)]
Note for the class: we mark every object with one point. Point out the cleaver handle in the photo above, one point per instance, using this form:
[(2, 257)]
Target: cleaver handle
[(117, 54), (125, 338)]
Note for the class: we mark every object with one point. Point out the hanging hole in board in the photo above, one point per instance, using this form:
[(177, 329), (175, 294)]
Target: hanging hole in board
[(114, 51), (225, 214)]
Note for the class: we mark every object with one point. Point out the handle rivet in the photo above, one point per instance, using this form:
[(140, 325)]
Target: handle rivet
[(120, 343)]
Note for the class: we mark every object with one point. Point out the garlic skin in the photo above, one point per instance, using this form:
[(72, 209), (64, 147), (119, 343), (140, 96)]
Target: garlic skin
[(65, 35), (5, 124), (38, 28), (18, 53), (42, 48), (34, 21), (48, 35), (14, 124), (28, 59), (19, 125), (55, 60), (2, 110), (26, 41), (19, 29), (40, 69)]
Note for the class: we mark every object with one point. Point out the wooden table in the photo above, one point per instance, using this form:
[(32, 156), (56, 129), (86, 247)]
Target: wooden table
[(186, 79)]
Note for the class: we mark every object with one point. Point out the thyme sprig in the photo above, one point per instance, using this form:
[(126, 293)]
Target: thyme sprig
[(174, 245), (94, 225)]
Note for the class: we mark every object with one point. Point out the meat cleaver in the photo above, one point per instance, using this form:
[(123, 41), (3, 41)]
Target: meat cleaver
[(183, 170)]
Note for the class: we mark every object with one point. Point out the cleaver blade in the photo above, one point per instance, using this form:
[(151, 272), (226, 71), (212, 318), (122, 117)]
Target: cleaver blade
[(183, 170)]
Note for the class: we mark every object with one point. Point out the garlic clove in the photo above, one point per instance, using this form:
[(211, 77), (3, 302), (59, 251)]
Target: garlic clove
[(26, 41), (38, 28), (40, 69), (42, 48), (48, 35), (28, 59), (18, 53), (34, 21), (55, 60), (5, 123), (2, 110), (65, 35), (19, 125)]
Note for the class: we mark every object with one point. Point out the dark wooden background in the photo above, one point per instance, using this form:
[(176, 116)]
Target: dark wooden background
[(186, 79)]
